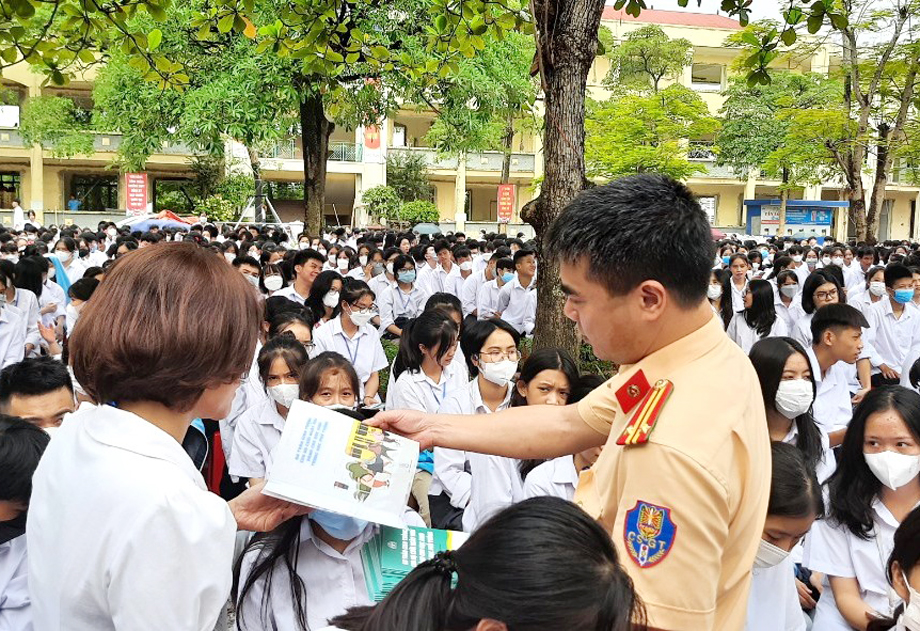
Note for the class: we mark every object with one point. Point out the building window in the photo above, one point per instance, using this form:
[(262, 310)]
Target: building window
[(95, 192), (10, 188), (706, 77), (709, 204), (399, 135)]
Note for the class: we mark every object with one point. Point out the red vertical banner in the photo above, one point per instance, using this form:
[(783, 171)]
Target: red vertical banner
[(506, 199), (136, 193)]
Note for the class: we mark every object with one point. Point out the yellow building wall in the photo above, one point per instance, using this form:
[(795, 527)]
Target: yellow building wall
[(444, 198), (899, 216)]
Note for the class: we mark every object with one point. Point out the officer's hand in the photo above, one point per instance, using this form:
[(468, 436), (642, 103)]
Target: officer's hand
[(409, 423), (805, 598), (260, 513), (888, 372)]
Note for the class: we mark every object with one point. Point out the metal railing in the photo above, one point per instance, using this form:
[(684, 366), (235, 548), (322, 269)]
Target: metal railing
[(701, 150), (481, 161), (338, 150)]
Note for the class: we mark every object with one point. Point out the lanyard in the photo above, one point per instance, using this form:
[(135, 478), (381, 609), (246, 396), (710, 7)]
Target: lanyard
[(352, 357), (434, 391), (405, 303)]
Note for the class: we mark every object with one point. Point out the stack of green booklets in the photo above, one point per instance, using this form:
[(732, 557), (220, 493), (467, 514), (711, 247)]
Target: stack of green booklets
[(394, 552)]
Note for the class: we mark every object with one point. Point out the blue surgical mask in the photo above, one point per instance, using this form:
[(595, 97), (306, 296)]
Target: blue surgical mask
[(339, 526), (406, 276), (725, 260), (507, 277), (903, 296)]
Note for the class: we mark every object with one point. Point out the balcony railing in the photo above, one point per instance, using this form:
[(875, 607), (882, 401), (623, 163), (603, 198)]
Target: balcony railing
[(484, 161), (701, 150), (338, 150), (10, 137)]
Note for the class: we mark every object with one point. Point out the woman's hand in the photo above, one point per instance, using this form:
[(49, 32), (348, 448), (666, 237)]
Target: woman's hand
[(409, 423), (47, 333), (805, 599), (51, 307), (260, 513)]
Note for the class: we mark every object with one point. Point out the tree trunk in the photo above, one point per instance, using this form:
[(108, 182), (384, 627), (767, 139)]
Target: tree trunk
[(507, 143), (258, 214), (783, 200), (567, 45), (315, 130)]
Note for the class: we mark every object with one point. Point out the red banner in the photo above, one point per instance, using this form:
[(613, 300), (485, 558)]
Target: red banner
[(506, 199), (136, 193)]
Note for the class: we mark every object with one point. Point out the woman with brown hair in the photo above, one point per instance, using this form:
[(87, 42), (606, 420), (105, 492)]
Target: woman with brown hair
[(122, 532)]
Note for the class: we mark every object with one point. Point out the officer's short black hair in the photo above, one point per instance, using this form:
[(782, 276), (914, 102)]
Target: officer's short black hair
[(836, 316), (33, 376), (633, 230)]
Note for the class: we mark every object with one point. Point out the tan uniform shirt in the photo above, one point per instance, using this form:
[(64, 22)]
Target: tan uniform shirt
[(686, 509)]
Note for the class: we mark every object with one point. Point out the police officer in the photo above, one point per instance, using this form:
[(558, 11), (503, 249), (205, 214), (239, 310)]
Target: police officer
[(683, 481)]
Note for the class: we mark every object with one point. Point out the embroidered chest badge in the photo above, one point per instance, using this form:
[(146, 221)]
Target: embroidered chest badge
[(648, 533)]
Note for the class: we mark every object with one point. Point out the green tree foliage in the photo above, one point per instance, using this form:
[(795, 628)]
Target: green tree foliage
[(419, 211), (407, 174), (646, 58), (382, 202), (55, 123)]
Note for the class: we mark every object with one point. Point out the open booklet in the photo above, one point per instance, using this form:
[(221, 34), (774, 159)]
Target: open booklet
[(330, 461)]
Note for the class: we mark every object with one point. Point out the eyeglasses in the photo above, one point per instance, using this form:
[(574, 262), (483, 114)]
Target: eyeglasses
[(826, 295), (496, 356), (356, 307)]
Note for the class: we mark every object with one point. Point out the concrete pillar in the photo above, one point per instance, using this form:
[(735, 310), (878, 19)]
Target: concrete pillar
[(37, 181), (750, 192), (813, 193), (916, 217), (460, 194)]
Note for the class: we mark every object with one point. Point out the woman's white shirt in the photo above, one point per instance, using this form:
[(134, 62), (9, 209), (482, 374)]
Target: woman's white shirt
[(12, 336), (495, 483), (790, 313), (737, 295), (773, 602), (52, 293), (364, 350), (414, 390), (745, 336), (75, 269), (832, 549), (27, 302), (333, 582), (122, 531), (555, 478), (256, 434)]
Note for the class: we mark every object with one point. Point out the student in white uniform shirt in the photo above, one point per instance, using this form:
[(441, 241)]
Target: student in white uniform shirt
[(874, 489), (387, 279), (53, 299), (13, 328), (894, 325), (758, 320), (21, 447), (515, 305), (819, 289), (788, 298), (471, 286), (364, 264), (65, 250), (870, 292), (795, 503), (346, 260), (350, 334), (155, 550), (324, 297), (904, 577), (788, 389), (739, 267), (259, 428), (444, 277), (856, 272), (307, 265), (402, 301), (487, 301)]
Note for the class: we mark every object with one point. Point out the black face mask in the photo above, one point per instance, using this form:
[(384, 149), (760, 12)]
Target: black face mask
[(13, 528)]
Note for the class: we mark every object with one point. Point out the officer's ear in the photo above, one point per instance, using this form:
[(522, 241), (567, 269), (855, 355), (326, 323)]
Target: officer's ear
[(487, 624), (652, 297)]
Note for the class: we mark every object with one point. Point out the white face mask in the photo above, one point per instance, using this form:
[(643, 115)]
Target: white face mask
[(466, 266), (273, 283), (331, 299), (72, 313), (826, 260), (714, 291), (755, 266), (794, 397), (499, 373), (322, 251), (360, 318), (769, 555), (910, 619), (362, 260), (838, 261), (892, 469), (789, 290), (284, 394), (811, 262), (331, 258), (797, 258), (877, 289), (390, 268), (230, 256), (304, 245), (63, 256), (342, 264), (112, 232)]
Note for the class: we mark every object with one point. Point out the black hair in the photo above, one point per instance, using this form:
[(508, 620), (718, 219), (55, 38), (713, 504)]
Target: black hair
[(68, 242), (906, 552), (853, 487), (21, 447), (321, 286), (648, 221), (312, 377), (302, 256), (896, 272), (794, 488), (762, 314), (93, 272), (287, 348), (279, 304), (539, 565), (33, 376), (28, 275), (281, 321), (523, 252), (769, 358), (586, 383), (445, 302), (780, 264), (475, 335), (245, 259), (836, 316), (432, 329), (785, 275), (504, 263), (810, 286), (353, 290), (83, 289), (837, 272)]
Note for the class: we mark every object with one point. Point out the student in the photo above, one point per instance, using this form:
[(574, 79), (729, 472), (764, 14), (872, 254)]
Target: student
[(258, 430), (79, 293), (758, 320), (873, 490), (739, 267), (382, 282), (21, 446), (307, 265), (873, 290), (558, 477), (904, 577), (504, 579), (364, 268), (23, 294), (324, 297), (296, 323), (487, 301), (272, 279), (715, 291), (350, 334), (402, 301), (346, 260), (820, 288), (65, 251), (788, 388), (13, 328), (52, 299), (329, 380), (445, 276), (471, 286), (894, 324), (38, 390), (250, 268), (788, 301), (795, 503), (864, 259), (515, 304), (146, 516)]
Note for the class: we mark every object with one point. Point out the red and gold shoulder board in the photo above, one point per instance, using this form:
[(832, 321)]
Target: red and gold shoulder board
[(643, 421)]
